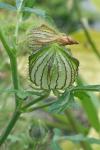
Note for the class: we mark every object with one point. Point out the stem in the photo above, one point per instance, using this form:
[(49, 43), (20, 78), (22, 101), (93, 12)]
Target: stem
[(94, 88), (76, 128), (86, 32), (39, 107), (5, 44), (10, 126), (13, 63), (19, 18), (34, 101)]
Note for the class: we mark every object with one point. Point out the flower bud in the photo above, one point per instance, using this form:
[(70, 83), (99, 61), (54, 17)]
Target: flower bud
[(40, 131), (44, 35), (53, 68)]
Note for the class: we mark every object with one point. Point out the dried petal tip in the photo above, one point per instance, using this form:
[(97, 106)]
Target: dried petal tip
[(66, 40), (72, 41)]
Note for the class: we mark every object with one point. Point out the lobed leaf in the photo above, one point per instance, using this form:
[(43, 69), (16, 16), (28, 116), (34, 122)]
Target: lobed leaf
[(62, 103)]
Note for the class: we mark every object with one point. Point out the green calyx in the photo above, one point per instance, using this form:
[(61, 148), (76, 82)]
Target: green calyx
[(53, 68)]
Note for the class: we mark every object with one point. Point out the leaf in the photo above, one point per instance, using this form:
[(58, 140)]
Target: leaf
[(7, 6), (89, 108), (88, 104), (78, 138), (62, 103), (36, 11), (95, 88)]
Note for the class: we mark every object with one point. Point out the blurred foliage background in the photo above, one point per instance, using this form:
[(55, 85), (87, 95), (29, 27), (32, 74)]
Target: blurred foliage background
[(64, 15)]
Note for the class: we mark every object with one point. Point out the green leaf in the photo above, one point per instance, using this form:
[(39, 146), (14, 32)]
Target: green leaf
[(79, 138), (95, 88), (89, 108), (62, 103), (7, 6), (88, 101), (36, 11)]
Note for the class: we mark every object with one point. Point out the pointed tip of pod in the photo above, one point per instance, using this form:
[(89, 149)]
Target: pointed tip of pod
[(66, 40), (75, 42)]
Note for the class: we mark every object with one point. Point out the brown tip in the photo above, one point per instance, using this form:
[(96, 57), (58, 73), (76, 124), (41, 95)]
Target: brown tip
[(66, 40), (75, 42), (71, 41)]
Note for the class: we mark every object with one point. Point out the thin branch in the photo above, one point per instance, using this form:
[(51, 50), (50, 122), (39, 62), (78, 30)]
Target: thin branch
[(39, 107), (19, 19), (34, 101), (10, 126)]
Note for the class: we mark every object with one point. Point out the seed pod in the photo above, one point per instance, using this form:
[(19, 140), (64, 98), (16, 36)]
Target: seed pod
[(53, 68), (44, 35), (38, 132)]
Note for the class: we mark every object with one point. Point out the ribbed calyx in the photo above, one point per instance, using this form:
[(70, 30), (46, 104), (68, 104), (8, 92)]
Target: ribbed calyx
[(53, 68)]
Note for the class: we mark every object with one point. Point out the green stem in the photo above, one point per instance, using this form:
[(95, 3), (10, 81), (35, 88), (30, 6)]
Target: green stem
[(94, 88), (76, 128), (34, 101), (86, 32), (39, 107), (5, 44), (10, 126), (19, 18), (13, 62)]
